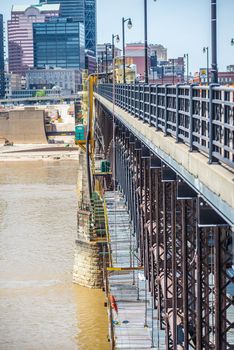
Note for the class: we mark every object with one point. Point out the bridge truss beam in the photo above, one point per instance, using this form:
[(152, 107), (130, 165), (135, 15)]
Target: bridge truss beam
[(183, 245)]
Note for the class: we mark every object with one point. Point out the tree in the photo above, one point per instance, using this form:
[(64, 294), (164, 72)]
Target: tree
[(40, 93)]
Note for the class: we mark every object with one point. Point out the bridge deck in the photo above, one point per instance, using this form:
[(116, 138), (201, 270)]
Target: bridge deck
[(133, 323)]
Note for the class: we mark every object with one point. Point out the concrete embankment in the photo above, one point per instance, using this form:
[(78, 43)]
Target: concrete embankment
[(23, 126)]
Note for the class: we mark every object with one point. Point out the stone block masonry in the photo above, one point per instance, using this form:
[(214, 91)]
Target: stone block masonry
[(88, 266)]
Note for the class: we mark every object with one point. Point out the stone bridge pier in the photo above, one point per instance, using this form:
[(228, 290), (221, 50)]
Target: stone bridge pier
[(88, 259)]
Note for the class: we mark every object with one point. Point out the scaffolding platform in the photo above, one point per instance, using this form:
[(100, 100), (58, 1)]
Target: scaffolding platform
[(135, 319)]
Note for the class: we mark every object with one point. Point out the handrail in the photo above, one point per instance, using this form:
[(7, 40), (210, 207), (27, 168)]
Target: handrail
[(202, 117)]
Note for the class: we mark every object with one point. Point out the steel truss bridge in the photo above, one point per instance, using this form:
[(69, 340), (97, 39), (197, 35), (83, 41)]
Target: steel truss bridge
[(173, 161)]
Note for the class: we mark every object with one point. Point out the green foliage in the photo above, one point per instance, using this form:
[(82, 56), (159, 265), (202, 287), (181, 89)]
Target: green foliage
[(41, 93)]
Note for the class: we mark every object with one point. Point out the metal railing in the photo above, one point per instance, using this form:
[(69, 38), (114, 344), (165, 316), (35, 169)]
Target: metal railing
[(201, 117)]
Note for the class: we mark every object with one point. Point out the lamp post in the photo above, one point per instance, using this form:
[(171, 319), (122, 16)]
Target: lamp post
[(206, 50), (214, 69), (187, 65), (113, 44), (146, 42), (123, 33), (107, 46)]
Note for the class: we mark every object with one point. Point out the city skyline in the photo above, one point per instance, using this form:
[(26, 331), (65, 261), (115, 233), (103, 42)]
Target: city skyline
[(190, 33)]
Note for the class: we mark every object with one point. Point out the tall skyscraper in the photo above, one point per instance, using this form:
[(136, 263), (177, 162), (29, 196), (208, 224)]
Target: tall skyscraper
[(59, 43), (84, 11), (2, 77), (90, 25), (69, 8), (20, 33)]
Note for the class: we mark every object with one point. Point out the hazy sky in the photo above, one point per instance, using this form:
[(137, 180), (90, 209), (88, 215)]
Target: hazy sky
[(183, 26)]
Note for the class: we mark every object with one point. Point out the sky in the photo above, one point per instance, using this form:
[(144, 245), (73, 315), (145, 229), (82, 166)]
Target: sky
[(183, 26)]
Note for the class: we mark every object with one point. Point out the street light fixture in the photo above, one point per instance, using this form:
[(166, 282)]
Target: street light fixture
[(129, 23), (113, 44), (206, 50), (187, 65), (146, 42), (232, 41), (124, 20)]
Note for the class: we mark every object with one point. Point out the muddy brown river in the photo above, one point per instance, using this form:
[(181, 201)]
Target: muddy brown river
[(40, 307)]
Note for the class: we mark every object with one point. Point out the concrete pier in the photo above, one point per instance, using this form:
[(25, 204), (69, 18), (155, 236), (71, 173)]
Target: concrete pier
[(87, 269), (87, 265)]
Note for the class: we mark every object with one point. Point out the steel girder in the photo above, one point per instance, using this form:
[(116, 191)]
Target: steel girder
[(186, 257)]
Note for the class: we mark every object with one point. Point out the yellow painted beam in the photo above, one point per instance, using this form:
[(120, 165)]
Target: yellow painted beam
[(125, 268)]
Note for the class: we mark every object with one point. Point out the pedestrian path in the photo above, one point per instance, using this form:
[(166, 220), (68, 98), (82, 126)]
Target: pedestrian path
[(135, 317)]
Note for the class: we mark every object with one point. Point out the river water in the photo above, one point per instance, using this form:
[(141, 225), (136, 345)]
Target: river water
[(40, 307)]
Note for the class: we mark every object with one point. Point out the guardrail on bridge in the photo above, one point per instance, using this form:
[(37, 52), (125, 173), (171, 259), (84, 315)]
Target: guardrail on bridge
[(201, 117)]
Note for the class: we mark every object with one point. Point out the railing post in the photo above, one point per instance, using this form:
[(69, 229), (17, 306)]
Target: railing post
[(191, 128), (134, 110), (126, 96), (166, 112), (116, 94), (211, 128), (149, 105), (125, 93), (139, 103), (177, 112), (122, 97), (131, 99), (144, 103), (156, 109)]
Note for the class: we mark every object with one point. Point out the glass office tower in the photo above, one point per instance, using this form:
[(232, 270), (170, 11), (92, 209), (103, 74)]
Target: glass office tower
[(81, 10), (59, 43), (69, 8), (90, 25), (2, 76), (20, 33)]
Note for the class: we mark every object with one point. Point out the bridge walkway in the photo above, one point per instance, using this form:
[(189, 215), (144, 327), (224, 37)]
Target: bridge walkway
[(133, 322)]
